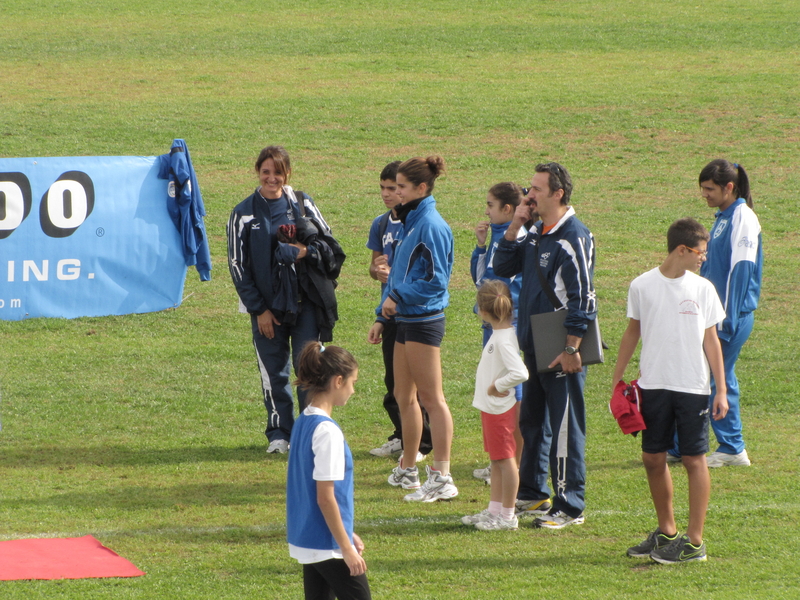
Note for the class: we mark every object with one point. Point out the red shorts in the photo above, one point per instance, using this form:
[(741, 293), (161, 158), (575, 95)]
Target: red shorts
[(498, 434)]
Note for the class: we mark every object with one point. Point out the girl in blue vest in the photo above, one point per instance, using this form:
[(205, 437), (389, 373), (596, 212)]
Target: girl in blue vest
[(319, 485)]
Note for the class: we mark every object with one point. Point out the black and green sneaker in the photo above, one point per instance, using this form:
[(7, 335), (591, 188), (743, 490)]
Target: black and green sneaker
[(679, 550), (655, 540)]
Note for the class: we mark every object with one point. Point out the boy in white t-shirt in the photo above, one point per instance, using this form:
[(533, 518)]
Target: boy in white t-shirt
[(675, 313)]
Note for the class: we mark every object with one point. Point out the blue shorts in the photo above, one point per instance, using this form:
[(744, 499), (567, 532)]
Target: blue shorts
[(666, 412), (429, 333)]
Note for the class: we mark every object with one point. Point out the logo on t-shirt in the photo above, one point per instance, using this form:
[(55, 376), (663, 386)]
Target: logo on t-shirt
[(490, 349), (689, 307), (746, 242), (721, 224)]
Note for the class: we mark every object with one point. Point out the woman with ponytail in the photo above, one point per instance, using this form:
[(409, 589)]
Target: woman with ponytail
[(734, 264), (319, 483), (416, 296)]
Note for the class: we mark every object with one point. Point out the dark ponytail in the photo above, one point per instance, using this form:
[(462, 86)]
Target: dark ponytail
[(319, 364), (722, 172), (422, 170)]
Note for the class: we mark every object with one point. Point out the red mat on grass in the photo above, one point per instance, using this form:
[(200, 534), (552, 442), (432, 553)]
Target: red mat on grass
[(61, 558)]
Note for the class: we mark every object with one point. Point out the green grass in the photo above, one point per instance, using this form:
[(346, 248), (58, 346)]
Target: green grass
[(146, 430)]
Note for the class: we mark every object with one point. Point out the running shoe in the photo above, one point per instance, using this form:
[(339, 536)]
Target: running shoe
[(655, 540), (484, 475), (557, 520), (720, 459), (278, 447), (498, 523), (391, 447), (484, 515), (527, 508), (420, 457), (679, 550), (408, 479), (437, 487)]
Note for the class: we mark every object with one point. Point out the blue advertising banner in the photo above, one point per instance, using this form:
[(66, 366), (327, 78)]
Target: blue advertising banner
[(87, 236)]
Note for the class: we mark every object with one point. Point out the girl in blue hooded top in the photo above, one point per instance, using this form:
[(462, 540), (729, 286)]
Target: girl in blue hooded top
[(416, 295), (501, 202), (734, 265)]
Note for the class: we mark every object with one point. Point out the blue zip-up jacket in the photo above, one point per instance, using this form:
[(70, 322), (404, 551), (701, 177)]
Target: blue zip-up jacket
[(422, 264), (481, 265), (734, 263), (567, 258), (185, 206)]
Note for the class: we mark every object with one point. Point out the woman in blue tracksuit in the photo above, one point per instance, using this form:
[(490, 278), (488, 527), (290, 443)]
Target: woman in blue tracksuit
[(286, 285), (734, 264), (416, 295)]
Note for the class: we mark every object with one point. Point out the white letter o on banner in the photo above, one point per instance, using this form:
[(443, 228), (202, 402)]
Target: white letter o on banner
[(61, 192), (14, 206)]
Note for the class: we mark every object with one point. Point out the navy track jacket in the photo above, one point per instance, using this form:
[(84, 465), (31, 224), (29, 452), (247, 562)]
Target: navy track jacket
[(566, 258)]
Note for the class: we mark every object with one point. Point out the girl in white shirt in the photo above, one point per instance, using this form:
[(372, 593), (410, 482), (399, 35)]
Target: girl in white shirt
[(501, 369)]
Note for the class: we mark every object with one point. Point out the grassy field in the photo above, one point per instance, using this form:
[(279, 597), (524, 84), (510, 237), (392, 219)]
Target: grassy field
[(146, 431)]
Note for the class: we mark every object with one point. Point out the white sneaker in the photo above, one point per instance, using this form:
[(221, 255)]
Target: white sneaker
[(498, 523), (391, 447), (720, 459), (408, 479), (484, 475), (437, 487), (527, 508), (672, 459), (278, 447), (420, 457), (484, 515), (557, 520)]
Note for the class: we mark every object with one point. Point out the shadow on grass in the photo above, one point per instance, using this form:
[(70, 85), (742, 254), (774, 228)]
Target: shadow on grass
[(109, 456)]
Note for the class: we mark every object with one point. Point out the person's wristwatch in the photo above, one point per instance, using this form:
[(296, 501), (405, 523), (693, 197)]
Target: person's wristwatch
[(571, 350)]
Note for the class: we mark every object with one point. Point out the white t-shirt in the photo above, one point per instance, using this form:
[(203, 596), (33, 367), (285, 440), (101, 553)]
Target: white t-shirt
[(674, 315), (500, 364), (327, 443)]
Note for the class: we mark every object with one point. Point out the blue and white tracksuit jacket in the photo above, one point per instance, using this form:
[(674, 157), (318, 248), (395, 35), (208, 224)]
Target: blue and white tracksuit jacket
[(481, 268), (567, 257), (421, 268), (734, 265)]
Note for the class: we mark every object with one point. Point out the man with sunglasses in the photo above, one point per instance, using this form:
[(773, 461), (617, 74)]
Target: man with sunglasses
[(559, 250)]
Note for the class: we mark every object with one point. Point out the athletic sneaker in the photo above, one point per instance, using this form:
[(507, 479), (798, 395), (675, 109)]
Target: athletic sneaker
[(484, 515), (527, 508), (557, 520), (679, 550), (420, 456), (437, 487), (278, 447), (720, 459), (672, 458), (484, 475), (391, 447), (408, 479), (655, 540), (498, 523)]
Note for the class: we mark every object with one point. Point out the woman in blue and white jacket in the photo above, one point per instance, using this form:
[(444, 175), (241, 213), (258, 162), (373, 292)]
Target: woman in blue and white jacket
[(416, 295), (734, 264)]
